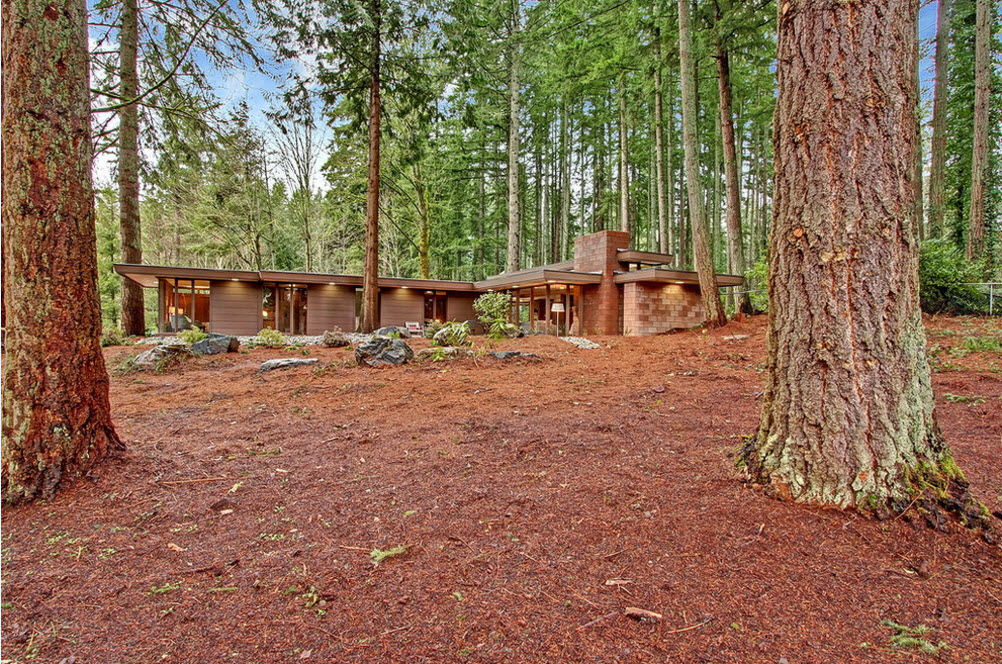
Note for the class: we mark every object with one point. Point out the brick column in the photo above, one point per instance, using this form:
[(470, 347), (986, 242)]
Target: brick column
[(597, 253)]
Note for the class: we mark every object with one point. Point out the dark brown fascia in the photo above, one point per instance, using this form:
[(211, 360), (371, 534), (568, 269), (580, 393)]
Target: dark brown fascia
[(537, 277), (643, 257), (658, 275)]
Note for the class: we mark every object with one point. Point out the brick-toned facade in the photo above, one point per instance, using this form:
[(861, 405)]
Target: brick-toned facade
[(650, 308), (598, 253)]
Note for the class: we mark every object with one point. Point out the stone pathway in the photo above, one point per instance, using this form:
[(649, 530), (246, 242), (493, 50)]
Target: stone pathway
[(581, 342)]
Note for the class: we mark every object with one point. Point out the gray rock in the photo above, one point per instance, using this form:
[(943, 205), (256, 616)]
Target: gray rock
[(215, 344), (453, 334), (383, 350), (512, 354), (336, 339), (581, 342), (445, 352), (393, 331), (158, 356), (286, 362)]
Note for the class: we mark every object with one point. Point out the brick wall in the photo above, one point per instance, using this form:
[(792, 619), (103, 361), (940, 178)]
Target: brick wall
[(656, 308), (597, 253)]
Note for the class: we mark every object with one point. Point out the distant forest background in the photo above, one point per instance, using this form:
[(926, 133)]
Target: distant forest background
[(581, 96)]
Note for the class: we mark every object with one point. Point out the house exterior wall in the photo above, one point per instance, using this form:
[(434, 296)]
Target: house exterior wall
[(329, 307), (399, 305), (654, 308), (460, 307), (598, 253), (235, 307)]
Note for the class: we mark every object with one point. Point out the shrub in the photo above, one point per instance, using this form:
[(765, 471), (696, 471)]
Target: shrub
[(944, 280), (453, 334), (336, 338), (758, 277), (111, 336), (194, 335), (432, 328), (492, 308), (270, 338)]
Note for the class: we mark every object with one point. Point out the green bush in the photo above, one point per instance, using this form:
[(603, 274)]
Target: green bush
[(191, 336), (492, 308), (945, 276), (758, 277), (431, 328), (270, 338), (453, 334), (112, 336)]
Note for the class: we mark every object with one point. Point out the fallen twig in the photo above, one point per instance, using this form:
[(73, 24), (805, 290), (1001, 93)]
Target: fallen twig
[(686, 629), (199, 479), (599, 619)]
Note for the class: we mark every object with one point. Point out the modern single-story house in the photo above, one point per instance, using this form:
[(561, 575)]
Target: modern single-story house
[(607, 288)]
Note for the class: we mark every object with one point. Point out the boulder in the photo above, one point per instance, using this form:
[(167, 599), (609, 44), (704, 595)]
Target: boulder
[(393, 331), (453, 334), (214, 344), (383, 350), (336, 339), (159, 356), (512, 354), (286, 362), (444, 353)]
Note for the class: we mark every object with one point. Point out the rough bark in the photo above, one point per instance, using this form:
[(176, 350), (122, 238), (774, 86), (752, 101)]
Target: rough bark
[(847, 418), (370, 276), (979, 154), (56, 412), (701, 250), (735, 241), (624, 162), (514, 87), (937, 168), (133, 310)]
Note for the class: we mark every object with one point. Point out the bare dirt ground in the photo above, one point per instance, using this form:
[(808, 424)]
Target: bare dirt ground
[(537, 500)]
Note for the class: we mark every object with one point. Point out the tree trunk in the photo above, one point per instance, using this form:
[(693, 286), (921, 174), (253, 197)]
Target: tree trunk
[(565, 184), (659, 147), (735, 241), (370, 277), (847, 418), (701, 249), (937, 197), (514, 218), (133, 310), (56, 411), (624, 162), (424, 230), (979, 154)]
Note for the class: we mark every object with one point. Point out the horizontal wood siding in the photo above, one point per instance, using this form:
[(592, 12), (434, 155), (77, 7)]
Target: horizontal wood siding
[(234, 307), (399, 305), (328, 307), (460, 307)]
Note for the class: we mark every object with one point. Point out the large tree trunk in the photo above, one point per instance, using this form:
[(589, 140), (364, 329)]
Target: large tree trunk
[(937, 197), (370, 276), (514, 210), (735, 241), (565, 183), (979, 155), (701, 249), (624, 162), (847, 418), (659, 146), (424, 230), (133, 310), (56, 412)]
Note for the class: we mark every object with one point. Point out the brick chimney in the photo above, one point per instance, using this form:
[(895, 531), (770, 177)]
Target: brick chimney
[(597, 253)]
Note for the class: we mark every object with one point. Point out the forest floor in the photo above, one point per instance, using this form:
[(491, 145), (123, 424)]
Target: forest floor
[(534, 500)]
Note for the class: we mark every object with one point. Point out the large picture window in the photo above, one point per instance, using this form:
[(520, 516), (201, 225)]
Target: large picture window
[(184, 304), (283, 308)]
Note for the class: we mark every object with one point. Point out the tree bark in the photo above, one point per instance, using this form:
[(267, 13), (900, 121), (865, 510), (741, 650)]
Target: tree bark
[(424, 229), (847, 418), (56, 412), (701, 248), (937, 197), (735, 241), (624, 162), (979, 154), (370, 277), (514, 217), (659, 146), (565, 183), (133, 309)]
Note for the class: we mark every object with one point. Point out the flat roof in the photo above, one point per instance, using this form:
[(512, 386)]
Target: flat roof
[(643, 257), (538, 276), (663, 276)]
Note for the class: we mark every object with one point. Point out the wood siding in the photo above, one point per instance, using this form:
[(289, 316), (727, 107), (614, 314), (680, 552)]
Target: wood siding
[(460, 307), (329, 307), (235, 307), (399, 305)]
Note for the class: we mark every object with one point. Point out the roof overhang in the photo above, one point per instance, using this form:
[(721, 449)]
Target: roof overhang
[(147, 275), (538, 277), (643, 257), (657, 275)]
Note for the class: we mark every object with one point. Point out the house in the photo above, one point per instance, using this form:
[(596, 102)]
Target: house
[(607, 288)]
